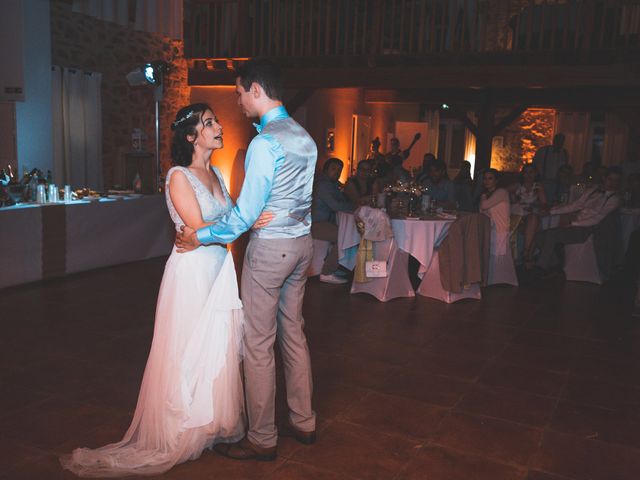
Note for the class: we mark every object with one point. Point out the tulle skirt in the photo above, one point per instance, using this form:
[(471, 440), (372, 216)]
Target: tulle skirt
[(191, 395)]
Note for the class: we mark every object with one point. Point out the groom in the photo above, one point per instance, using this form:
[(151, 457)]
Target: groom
[(279, 169)]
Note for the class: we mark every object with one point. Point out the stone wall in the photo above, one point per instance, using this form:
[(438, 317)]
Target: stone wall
[(517, 143), (86, 43)]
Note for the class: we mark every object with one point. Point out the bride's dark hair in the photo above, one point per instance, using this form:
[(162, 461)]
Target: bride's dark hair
[(185, 124)]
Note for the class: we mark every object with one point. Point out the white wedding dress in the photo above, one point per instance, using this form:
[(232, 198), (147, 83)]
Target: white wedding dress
[(191, 395)]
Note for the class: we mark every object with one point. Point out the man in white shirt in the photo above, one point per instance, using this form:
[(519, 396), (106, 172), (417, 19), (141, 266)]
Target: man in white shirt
[(589, 209)]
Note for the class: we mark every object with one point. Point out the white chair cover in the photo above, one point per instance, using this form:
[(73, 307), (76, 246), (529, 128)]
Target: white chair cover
[(580, 262), (501, 268), (320, 252), (377, 226), (431, 285), (396, 284)]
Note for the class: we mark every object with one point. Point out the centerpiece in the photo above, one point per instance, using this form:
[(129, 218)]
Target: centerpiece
[(412, 189)]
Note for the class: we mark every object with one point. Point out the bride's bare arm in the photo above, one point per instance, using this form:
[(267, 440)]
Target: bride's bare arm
[(184, 200)]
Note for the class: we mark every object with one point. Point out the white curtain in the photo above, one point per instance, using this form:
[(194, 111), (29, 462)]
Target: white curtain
[(116, 11), (161, 16), (154, 16), (575, 127), (616, 140), (432, 118), (470, 149), (77, 128)]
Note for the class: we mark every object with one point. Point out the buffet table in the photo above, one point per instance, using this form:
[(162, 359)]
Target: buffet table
[(42, 241)]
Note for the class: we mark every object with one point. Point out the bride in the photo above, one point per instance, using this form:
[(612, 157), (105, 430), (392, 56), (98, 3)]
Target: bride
[(191, 395)]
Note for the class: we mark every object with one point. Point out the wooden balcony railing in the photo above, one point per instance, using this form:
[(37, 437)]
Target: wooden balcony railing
[(303, 28)]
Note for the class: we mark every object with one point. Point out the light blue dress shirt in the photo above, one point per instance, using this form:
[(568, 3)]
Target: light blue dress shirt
[(271, 183)]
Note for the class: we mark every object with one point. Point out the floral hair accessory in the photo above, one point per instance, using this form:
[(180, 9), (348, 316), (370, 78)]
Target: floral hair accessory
[(189, 114)]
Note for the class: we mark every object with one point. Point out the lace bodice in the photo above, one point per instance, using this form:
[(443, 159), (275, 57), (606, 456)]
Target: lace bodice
[(210, 207)]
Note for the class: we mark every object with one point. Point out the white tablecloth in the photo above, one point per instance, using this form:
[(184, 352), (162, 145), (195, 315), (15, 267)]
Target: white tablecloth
[(95, 234), (418, 238), (20, 245), (104, 234)]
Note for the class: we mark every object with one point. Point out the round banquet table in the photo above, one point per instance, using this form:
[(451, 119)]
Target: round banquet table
[(418, 238)]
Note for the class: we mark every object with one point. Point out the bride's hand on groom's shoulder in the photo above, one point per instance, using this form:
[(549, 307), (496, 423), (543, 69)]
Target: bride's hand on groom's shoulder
[(186, 239)]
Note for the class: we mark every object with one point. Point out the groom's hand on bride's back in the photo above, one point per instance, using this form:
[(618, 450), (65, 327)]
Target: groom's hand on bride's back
[(186, 239)]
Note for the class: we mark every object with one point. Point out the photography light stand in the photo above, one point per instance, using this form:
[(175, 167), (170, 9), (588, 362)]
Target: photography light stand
[(158, 92), (152, 74)]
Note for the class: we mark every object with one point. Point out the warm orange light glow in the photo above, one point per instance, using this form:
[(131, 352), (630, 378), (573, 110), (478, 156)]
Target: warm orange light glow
[(237, 132)]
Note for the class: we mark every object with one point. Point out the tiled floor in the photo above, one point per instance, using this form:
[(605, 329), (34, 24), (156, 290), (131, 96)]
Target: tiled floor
[(534, 383)]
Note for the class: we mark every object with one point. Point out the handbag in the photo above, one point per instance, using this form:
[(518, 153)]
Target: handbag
[(377, 268)]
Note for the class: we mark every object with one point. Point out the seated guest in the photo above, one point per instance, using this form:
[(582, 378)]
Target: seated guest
[(527, 200), (327, 200), (589, 210), (359, 188), (427, 161), (565, 182), (463, 188), (441, 189), (494, 202)]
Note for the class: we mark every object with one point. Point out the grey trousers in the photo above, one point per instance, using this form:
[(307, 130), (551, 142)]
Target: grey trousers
[(327, 231), (548, 240), (273, 283)]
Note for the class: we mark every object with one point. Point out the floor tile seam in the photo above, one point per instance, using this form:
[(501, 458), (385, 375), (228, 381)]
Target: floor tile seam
[(405, 466), (424, 402), (323, 469), (520, 365), (419, 400), (390, 435), (476, 379), (467, 453), (348, 409), (614, 382), (554, 474), (359, 357), (459, 410), (547, 395), (498, 419), (623, 446), (547, 426)]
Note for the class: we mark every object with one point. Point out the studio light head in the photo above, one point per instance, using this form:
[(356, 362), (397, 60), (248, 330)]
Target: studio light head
[(147, 74)]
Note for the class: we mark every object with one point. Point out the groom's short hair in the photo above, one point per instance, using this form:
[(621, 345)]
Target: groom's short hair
[(263, 72)]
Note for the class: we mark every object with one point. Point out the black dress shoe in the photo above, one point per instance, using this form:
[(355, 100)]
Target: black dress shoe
[(245, 450), (306, 438)]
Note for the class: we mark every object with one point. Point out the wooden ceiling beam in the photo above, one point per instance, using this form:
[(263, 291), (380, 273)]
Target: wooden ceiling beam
[(445, 77)]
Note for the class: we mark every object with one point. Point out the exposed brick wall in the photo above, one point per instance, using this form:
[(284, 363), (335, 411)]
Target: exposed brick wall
[(90, 44), (523, 138)]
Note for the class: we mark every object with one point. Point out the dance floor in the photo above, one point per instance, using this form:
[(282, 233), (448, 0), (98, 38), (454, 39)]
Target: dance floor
[(539, 382)]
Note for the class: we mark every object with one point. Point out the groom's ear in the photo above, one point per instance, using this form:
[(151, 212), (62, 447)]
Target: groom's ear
[(256, 89)]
